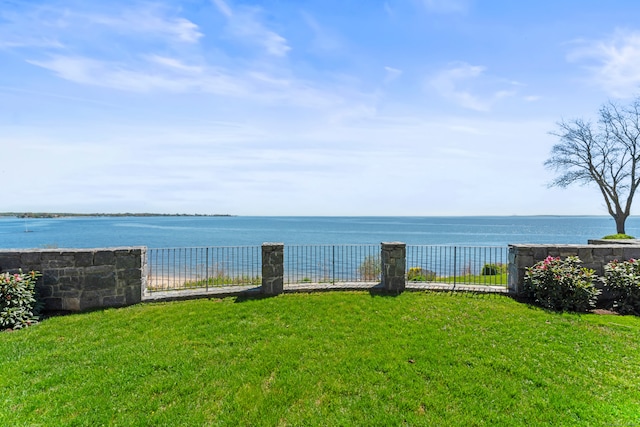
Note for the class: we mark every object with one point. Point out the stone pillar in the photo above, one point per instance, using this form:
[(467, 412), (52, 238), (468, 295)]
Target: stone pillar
[(394, 262), (272, 268), (516, 272)]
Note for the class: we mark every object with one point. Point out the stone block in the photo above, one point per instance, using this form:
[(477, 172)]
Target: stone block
[(89, 299), (601, 251), (49, 279), (586, 255), (84, 259), (71, 304), (133, 294), (525, 261), (30, 258), (127, 260), (103, 281), (98, 270), (65, 286), (58, 263), (104, 258), (114, 301), (631, 253), (53, 303), (130, 275), (538, 253), (10, 261)]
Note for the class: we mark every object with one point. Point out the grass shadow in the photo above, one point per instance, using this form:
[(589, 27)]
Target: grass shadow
[(252, 297), (380, 291)]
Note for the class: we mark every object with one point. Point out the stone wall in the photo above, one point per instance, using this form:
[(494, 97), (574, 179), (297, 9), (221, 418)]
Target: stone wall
[(594, 256), (82, 279)]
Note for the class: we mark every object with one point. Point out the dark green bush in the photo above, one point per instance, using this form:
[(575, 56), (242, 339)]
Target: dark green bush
[(623, 280), (561, 285), (493, 269), (18, 300)]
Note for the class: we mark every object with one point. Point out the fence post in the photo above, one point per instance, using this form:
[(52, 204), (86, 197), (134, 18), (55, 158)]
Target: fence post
[(272, 268), (394, 264)]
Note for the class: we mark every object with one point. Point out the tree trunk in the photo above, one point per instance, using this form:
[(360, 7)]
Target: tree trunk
[(620, 220)]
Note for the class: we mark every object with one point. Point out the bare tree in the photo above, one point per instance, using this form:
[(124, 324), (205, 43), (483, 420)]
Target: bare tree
[(606, 153)]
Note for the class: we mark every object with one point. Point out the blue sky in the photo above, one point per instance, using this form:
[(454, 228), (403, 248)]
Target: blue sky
[(309, 107)]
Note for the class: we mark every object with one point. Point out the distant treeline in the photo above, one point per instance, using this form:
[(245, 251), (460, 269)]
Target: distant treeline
[(60, 215)]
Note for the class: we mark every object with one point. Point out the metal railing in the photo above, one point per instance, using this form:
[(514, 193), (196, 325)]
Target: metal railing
[(331, 263), (469, 265), (208, 267), (214, 267)]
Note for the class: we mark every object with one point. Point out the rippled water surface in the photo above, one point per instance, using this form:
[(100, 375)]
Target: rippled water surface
[(181, 231)]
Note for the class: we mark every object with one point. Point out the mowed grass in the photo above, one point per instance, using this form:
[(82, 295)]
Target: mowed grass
[(342, 358)]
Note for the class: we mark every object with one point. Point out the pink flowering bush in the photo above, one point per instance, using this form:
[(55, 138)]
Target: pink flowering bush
[(561, 285), (623, 280), (17, 299)]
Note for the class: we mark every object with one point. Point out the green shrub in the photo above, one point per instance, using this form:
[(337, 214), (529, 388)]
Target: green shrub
[(618, 237), (370, 268), (561, 285), (623, 279), (419, 274), (493, 269), (17, 300)]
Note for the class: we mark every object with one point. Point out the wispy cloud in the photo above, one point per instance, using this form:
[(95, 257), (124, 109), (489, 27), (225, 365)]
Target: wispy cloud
[(391, 74), (245, 25), (150, 47), (53, 26), (457, 83), (324, 39), (151, 20), (614, 63), (157, 73)]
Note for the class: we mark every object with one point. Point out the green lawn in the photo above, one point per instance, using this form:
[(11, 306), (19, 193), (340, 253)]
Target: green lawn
[(475, 279), (341, 358)]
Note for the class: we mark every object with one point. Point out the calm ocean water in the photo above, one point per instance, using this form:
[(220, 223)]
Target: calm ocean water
[(167, 232)]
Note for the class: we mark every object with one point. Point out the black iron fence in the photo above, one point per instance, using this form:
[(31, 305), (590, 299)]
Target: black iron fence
[(331, 263), (472, 265), (208, 267), (184, 268)]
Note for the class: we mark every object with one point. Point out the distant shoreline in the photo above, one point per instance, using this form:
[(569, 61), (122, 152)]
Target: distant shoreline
[(126, 214)]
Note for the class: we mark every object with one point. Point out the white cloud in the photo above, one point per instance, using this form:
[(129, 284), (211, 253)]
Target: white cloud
[(142, 78), (447, 84), (175, 64), (324, 39), (141, 48), (614, 63), (156, 73), (458, 84), (30, 43), (392, 74), (54, 26), (223, 8), (245, 25), (149, 19)]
